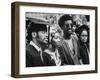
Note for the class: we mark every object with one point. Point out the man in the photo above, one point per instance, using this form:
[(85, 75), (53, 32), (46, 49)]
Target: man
[(37, 34), (69, 44)]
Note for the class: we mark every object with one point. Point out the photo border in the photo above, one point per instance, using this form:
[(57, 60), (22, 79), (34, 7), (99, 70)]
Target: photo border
[(15, 33)]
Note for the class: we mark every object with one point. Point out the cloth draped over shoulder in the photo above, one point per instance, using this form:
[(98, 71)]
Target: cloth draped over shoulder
[(68, 58)]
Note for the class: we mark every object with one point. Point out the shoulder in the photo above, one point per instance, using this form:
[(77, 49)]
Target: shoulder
[(47, 52), (30, 49), (74, 37)]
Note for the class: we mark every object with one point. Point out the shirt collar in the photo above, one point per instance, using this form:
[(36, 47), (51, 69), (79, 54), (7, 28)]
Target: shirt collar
[(35, 46)]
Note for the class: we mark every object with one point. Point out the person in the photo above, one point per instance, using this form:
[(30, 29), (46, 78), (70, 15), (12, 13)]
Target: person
[(70, 44), (37, 34), (52, 51), (74, 30), (83, 34)]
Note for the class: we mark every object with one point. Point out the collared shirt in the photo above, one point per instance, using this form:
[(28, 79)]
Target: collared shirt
[(35, 46), (38, 49)]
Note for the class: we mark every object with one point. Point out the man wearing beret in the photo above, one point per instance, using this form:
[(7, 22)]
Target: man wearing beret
[(70, 46), (37, 35)]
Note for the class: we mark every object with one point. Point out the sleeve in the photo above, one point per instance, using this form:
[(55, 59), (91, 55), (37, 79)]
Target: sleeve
[(61, 52), (80, 53), (47, 60), (28, 59)]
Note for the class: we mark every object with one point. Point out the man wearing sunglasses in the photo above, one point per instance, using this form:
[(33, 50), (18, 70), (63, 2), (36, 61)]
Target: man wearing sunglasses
[(70, 46)]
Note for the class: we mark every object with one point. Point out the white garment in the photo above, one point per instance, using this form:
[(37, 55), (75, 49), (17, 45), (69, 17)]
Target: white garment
[(55, 56), (70, 44)]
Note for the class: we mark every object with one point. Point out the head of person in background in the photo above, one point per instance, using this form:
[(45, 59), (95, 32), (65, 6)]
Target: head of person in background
[(80, 19), (66, 24), (52, 19), (74, 27), (28, 22), (56, 35), (77, 20), (83, 33), (38, 33)]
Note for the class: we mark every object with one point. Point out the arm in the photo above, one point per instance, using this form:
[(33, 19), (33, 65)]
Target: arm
[(28, 59)]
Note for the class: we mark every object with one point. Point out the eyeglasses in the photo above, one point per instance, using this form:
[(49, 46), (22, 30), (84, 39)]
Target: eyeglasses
[(67, 25), (84, 35)]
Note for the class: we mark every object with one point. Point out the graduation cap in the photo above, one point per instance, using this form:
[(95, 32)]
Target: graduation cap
[(36, 25)]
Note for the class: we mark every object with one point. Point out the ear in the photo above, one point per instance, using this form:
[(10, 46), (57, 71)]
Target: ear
[(63, 27), (34, 34)]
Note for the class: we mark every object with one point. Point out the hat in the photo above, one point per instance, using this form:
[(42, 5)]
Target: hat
[(63, 19), (81, 28), (36, 26)]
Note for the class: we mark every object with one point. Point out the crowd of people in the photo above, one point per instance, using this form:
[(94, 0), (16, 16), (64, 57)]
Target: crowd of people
[(57, 43)]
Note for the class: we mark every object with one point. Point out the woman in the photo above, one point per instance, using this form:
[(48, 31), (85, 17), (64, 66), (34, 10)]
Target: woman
[(52, 54), (83, 35)]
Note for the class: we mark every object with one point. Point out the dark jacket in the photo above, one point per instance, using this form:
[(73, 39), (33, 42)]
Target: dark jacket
[(84, 53), (33, 57), (53, 58), (48, 61)]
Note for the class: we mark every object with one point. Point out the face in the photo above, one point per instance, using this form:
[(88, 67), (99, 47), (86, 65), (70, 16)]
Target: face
[(56, 39), (84, 36), (42, 37), (55, 36), (73, 28), (68, 27)]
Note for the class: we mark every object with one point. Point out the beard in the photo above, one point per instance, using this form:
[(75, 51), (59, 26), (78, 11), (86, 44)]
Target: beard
[(68, 31), (42, 44)]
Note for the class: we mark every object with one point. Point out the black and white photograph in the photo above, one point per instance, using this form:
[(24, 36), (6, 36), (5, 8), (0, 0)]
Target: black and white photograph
[(57, 39), (51, 39)]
